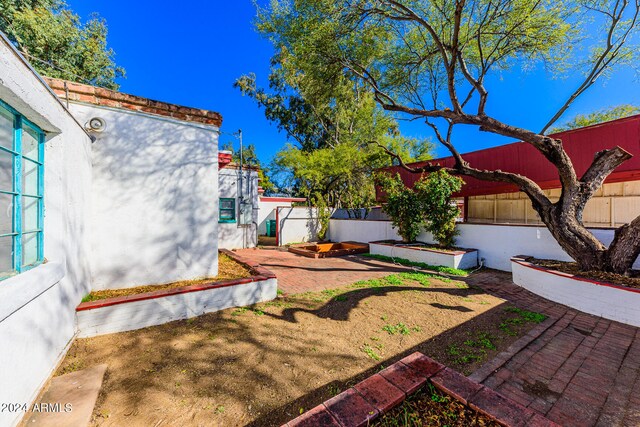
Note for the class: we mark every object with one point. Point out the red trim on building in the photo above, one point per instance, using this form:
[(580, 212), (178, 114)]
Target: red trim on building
[(224, 159), (88, 94), (282, 199), (580, 144)]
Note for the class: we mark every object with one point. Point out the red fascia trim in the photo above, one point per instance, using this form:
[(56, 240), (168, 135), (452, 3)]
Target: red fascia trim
[(282, 199), (571, 276)]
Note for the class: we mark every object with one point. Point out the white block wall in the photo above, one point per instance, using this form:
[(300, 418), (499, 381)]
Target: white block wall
[(155, 199), (267, 212), (495, 243), (298, 224), (156, 311), (37, 308), (612, 303)]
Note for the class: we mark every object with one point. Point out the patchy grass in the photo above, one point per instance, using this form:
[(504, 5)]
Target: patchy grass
[(422, 265), (228, 269), (261, 364), (431, 407)]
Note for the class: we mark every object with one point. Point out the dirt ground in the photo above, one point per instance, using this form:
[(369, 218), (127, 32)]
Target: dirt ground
[(228, 269), (266, 364)]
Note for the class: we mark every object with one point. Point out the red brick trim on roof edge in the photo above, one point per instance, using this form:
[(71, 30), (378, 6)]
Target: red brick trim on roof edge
[(259, 273), (282, 199), (109, 98), (381, 392)]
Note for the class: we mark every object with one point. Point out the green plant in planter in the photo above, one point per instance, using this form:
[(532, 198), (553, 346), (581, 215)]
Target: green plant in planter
[(441, 210), (404, 206), (428, 204)]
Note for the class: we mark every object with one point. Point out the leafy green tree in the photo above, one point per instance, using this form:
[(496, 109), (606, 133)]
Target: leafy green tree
[(331, 126), (427, 205), (432, 61), (601, 116), (58, 44)]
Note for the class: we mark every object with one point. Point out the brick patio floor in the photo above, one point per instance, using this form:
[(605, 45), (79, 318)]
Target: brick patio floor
[(297, 273), (574, 368)]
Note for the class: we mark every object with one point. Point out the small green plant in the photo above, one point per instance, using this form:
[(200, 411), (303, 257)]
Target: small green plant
[(279, 292), (400, 328), (369, 351), (394, 279), (239, 311), (219, 409), (422, 278), (422, 265)]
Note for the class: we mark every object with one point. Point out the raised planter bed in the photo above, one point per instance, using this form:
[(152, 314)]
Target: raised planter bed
[(378, 394), (457, 258), (603, 299), (324, 250), (138, 311)]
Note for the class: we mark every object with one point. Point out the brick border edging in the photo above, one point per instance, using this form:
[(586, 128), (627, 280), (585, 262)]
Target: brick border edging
[(381, 392), (259, 273)]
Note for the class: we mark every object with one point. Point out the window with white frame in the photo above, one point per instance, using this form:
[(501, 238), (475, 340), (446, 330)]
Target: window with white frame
[(21, 192)]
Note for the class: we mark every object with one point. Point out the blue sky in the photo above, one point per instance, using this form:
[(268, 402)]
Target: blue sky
[(191, 53)]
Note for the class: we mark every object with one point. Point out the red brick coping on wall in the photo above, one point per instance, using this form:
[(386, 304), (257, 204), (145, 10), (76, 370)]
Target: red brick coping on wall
[(88, 94), (378, 394), (258, 272), (522, 260), (457, 251)]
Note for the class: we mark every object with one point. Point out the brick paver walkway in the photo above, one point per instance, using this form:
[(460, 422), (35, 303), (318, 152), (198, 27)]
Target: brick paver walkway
[(297, 273), (574, 368)]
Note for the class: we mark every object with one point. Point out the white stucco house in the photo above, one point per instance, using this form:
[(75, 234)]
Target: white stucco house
[(98, 190)]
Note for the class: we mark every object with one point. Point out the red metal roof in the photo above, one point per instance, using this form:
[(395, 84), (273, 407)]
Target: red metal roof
[(522, 158)]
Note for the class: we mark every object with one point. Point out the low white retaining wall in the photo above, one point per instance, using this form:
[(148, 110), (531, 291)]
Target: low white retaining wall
[(139, 311), (601, 299), (457, 259), (495, 243)]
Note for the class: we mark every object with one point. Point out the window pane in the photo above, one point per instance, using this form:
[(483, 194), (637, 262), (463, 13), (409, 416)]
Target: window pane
[(29, 177), (29, 143), (6, 171), (6, 213), (6, 254), (30, 249), (227, 203), (226, 214), (6, 128), (29, 214)]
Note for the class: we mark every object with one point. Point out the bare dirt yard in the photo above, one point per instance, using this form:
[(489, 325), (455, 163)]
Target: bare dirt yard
[(265, 364)]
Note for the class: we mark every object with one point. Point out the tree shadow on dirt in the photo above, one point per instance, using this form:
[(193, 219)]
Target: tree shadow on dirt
[(340, 306)]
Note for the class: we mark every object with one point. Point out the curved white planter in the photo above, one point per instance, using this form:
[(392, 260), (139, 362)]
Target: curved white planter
[(607, 300), (462, 259)]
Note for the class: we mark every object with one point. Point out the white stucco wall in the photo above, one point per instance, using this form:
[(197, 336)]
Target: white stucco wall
[(298, 224), (242, 233), (154, 199), (495, 243), (267, 212), (37, 308)]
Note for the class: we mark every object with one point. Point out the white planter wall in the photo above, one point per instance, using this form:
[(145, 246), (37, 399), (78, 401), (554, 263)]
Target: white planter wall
[(495, 243), (149, 312), (462, 260), (621, 305), (37, 308)]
